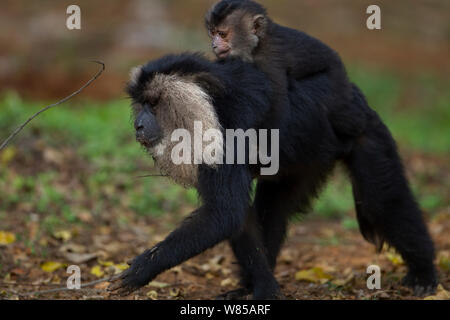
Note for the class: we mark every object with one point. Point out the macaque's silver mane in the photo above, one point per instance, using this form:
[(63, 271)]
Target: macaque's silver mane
[(181, 102)]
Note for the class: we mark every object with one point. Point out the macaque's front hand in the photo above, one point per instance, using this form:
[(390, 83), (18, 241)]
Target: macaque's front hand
[(140, 273)]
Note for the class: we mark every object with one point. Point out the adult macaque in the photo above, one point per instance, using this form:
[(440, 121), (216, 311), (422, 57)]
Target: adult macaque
[(176, 91)]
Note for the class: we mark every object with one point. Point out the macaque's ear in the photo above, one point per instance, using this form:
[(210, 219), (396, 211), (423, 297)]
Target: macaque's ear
[(259, 25)]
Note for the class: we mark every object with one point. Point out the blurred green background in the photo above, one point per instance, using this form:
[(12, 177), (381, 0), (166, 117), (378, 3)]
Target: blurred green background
[(79, 162)]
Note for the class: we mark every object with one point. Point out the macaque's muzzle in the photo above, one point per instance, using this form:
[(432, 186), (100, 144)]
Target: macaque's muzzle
[(148, 131)]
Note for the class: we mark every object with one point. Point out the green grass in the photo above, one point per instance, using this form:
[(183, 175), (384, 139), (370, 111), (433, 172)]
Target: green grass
[(101, 134)]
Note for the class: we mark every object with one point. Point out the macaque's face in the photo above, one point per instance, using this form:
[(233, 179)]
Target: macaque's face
[(221, 41), (162, 104), (148, 131), (237, 35)]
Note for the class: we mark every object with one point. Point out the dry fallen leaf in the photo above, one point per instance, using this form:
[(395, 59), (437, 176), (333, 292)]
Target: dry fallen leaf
[(226, 271), (97, 271), (105, 263), (72, 247), (343, 282), (121, 266), (444, 263), (52, 266), (78, 258), (7, 279), (158, 284), (18, 271), (152, 294), (7, 238), (229, 282), (111, 266), (7, 155), (63, 235), (175, 292), (395, 258), (85, 216), (316, 275), (56, 280), (102, 285), (53, 156), (95, 297)]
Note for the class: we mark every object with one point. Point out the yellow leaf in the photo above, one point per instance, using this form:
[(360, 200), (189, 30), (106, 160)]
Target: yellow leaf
[(122, 266), (116, 268), (97, 271), (51, 266), (152, 295), (7, 238), (228, 282), (395, 258), (105, 263), (158, 284), (444, 263), (316, 275), (56, 280), (64, 235), (175, 292), (7, 155), (343, 282)]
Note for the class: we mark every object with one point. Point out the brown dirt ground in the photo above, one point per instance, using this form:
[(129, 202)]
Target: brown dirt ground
[(312, 243)]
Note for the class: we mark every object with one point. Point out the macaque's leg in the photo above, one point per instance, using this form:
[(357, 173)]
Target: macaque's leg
[(256, 275), (221, 217)]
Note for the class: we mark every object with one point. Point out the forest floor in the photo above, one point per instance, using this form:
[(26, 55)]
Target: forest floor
[(320, 260)]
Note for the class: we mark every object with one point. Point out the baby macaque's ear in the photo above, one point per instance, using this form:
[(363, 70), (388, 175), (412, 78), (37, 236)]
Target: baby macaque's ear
[(259, 25)]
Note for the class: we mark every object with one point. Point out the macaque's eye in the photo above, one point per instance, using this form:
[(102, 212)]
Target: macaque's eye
[(136, 107), (223, 34), (153, 101)]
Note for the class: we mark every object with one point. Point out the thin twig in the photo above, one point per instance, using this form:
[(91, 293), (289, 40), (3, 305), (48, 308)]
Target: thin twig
[(61, 289), (16, 132), (152, 175)]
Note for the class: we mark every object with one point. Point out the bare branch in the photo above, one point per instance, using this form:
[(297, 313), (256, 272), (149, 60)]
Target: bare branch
[(152, 175), (83, 286), (87, 84)]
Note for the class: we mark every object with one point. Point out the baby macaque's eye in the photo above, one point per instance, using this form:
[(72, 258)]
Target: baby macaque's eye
[(223, 34)]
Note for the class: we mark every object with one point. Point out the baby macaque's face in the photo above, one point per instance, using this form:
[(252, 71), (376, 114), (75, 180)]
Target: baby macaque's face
[(237, 35)]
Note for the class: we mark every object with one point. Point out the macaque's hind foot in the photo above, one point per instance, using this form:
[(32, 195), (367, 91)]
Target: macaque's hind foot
[(238, 294), (422, 284)]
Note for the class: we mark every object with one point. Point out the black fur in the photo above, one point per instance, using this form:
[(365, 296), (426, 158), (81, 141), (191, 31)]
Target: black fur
[(225, 8), (309, 150)]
